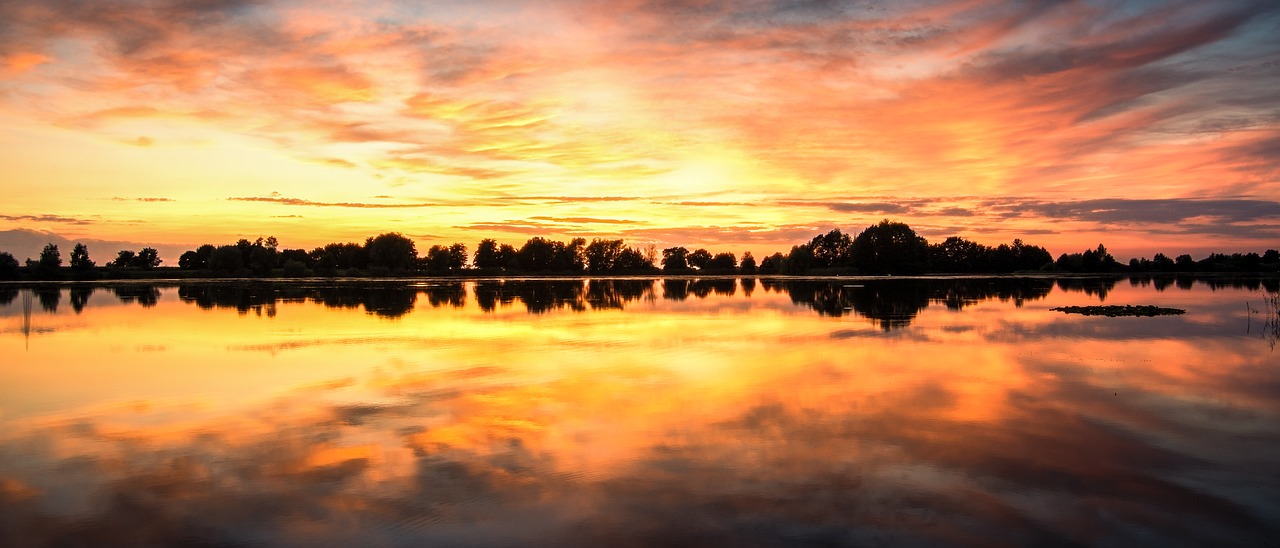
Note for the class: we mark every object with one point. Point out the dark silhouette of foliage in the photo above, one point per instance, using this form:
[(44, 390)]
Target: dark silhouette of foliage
[(722, 263), (124, 259), (442, 260), (395, 252), (603, 255), (1091, 260), (890, 248), (536, 254), (227, 259), (80, 262), (147, 258), (675, 259), (799, 261), (487, 255), (699, 258), (8, 266), (48, 264), (748, 264), (773, 264), (833, 249), (294, 268)]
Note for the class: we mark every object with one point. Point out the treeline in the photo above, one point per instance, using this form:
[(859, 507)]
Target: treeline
[(885, 248), (48, 264)]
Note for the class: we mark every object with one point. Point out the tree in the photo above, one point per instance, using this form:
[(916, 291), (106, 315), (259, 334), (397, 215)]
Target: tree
[(191, 260), (958, 255), (773, 264), (49, 262), (890, 248), (226, 259), (8, 266), (1271, 256), (675, 259), (603, 255), (443, 259), (125, 258), (748, 264), (799, 261), (831, 249), (571, 257), (80, 262), (722, 262), (699, 258), (536, 254), (487, 255), (147, 258), (392, 251), (632, 260)]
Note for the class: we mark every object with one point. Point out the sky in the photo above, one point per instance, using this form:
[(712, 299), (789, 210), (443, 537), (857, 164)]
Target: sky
[(731, 125)]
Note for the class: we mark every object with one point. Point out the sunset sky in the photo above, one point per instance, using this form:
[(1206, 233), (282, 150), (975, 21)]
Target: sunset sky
[(749, 125)]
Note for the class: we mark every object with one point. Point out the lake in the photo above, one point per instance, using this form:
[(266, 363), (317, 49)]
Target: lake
[(635, 412)]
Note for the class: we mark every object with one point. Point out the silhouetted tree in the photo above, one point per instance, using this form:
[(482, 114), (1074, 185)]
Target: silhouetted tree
[(226, 259), (50, 259), (8, 266), (294, 268), (799, 260), (748, 265), (722, 262), (773, 264), (340, 256), (393, 251), (487, 255), (958, 255), (147, 258), (890, 248), (191, 260), (569, 257), (1091, 260), (47, 265), (603, 255), (1271, 256), (80, 262), (632, 260), (442, 260), (299, 255), (536, 254), (674, 259), (699, 258), (831, 249), (124, 259)]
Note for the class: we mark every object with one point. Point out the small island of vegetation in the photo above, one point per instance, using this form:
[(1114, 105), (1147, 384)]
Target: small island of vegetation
[(1113, 311)]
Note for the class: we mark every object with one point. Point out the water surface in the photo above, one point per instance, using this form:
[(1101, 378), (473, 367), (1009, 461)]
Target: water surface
[(638, 412)]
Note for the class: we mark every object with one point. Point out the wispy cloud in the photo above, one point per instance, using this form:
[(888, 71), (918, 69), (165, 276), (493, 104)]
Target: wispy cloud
[(48, 219), (312, 203)]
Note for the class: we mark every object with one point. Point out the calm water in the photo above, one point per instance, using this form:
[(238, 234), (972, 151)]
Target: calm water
[(638, 413)]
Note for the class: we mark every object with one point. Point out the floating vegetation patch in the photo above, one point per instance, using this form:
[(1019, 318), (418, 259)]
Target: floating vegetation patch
[(1119, 310)]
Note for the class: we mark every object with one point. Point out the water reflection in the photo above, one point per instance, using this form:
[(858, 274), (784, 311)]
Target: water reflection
[(527, 412)]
